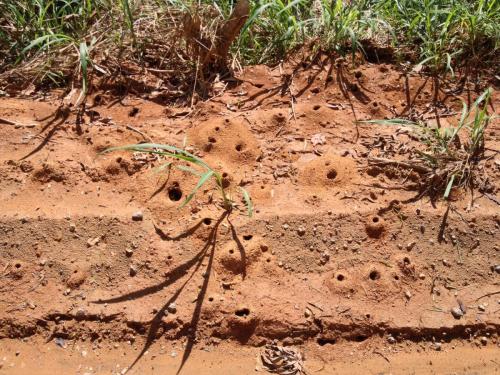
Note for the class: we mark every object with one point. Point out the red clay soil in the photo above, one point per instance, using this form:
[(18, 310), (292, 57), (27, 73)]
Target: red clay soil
[(344, 261)]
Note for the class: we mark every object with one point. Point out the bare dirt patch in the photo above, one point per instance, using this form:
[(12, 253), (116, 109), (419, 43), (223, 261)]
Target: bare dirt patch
[(96, 252)]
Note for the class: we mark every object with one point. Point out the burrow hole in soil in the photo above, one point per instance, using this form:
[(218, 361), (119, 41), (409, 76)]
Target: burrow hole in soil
[(247, 237), (231, 251), (242, 312), (226, 182), (340, 277), (17, 265), (406, 260), (175, 192), (376, 219), (331, 174), (210, 299), (169, 257), (75, 271), (360, 338), (316, 107), (239, 147), (207, 221), (212, 140), (374, 275), (217, 128), (324, 341), (396, 277)]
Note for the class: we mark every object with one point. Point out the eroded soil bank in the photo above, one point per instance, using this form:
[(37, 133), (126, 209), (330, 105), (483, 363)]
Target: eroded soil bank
[(349, 262)]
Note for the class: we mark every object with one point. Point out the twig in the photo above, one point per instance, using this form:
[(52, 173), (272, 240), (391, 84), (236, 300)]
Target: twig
[(415, 167), (382, 355), (139, 132), (487, 295)]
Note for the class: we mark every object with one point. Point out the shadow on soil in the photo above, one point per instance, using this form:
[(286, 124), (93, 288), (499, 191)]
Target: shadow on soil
[(208, 250)]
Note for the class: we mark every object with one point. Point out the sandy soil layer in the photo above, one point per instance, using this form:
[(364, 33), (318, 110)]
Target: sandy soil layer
[(343, 259)]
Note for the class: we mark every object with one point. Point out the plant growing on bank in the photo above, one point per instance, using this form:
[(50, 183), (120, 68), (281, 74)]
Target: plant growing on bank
[(448, 159), (205, 174)]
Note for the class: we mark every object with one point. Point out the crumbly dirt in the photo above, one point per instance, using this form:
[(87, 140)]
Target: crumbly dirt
[(347, 262)]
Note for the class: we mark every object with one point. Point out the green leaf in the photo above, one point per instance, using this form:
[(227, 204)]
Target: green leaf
[(248, 201), (200, 183), (448, 187)]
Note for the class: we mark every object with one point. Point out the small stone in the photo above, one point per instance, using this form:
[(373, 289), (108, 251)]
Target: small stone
[(72, 227), (172, 308), (301, 231), (410, 245), (446, 263), (484, 340), (137, 216), (129, 252), (457, 312), (308, 313), (437, 346), (496, 268), (173, 354), (408, 294), (391, 339), (481, 308), (421, 276), (133, 270)]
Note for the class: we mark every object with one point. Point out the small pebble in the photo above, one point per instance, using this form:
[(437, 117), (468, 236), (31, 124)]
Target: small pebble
[(137, 216), (457, 312), (497, 269), (301, 231), (410, 245), (391, 339), (484, 340), (133, 270), (172, 308), (72, 227), (408, 294), (129, 252), (481, 308), (437, 346)]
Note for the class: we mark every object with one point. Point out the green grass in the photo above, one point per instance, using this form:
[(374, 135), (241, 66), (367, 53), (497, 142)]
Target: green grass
[(40, 39), (201, 170), (451, 154)]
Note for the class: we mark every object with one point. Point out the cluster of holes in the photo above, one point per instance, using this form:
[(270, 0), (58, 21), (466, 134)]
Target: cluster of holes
[(331, 174), (175, 192), (242, 312)]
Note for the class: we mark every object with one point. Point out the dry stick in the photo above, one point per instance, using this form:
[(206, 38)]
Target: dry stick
[(487, 295), (195, 82), (416, 167)]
